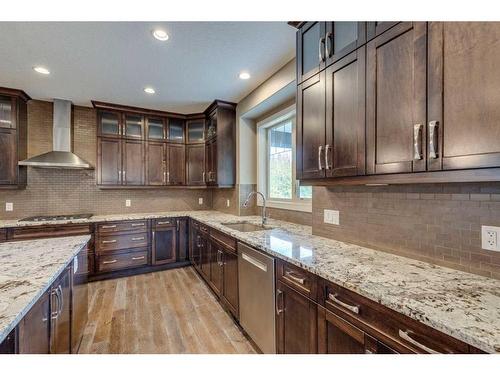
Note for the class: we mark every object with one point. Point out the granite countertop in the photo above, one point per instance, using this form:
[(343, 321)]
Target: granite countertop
[(27, 269), (463, 305)]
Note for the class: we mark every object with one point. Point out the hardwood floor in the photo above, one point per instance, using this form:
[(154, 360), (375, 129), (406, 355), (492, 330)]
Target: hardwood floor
[(161, 312)]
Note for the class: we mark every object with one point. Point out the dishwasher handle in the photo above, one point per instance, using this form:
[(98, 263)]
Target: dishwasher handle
[(254, 261)]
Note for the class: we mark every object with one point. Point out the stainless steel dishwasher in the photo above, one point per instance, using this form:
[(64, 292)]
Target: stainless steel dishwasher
[(256, 287)]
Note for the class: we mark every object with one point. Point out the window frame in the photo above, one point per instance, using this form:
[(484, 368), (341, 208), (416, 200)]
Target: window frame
[(296, 203)]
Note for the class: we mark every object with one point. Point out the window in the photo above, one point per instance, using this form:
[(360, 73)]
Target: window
[(276, 151)]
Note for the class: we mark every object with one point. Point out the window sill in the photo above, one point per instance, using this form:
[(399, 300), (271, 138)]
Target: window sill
[(292, 206)]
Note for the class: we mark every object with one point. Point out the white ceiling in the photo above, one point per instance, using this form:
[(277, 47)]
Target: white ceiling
[(114, 61)]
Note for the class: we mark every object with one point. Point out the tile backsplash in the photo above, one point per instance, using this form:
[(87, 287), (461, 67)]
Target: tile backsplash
[(440, 224)]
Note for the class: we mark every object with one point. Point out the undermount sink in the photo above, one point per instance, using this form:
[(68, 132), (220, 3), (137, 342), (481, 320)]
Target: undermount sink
[(245, 226)]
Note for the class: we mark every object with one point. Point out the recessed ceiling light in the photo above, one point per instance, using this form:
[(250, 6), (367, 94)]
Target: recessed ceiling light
[(41, 70), (149, 90), (244, 75), (160, 34)]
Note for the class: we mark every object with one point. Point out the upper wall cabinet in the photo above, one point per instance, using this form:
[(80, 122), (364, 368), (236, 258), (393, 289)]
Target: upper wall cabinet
[(176, 130), (13, 137), (195, 130), (320, 44)]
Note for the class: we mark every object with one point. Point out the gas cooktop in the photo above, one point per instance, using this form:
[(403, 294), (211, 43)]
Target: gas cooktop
[(57, 217)]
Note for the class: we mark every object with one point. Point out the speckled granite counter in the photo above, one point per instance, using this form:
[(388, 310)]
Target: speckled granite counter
[(27, 269), (463, 305)]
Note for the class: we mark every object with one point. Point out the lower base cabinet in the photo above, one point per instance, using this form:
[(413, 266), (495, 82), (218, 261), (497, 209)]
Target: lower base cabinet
[(296, 322), (230, 293), (34, 329), (60, 314), (164, 242)]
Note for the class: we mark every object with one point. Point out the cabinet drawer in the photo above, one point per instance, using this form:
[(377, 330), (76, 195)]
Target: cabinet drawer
[(297, 279), (44, 231), (228, 241), (114, 262), (121, 242), (204, 228), (123, 226), (399, 331), (169, 221), (3, 235)]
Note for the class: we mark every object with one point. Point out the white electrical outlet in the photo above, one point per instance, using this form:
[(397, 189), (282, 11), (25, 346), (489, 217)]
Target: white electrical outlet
[(128, 203), (489, 238), (228, 203), (200, 201), (9, 206), (331, 217)]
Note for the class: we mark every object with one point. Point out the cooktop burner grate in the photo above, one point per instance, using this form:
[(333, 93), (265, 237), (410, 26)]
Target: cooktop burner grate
[(57, 217)]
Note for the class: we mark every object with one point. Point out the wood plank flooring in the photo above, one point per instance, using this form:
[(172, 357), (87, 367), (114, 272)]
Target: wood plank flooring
[(170, 311)]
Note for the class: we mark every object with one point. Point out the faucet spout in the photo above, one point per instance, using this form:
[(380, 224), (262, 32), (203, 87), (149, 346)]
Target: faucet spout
[(245, 204)]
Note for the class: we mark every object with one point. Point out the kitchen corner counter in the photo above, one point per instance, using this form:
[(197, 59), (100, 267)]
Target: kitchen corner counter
[(27, 269), (460, 304)]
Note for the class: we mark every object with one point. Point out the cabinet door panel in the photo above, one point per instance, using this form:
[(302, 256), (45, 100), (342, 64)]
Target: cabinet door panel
[(176, 165), (133, 126), (296, 322), (216, 269), (182, 239), (175, 130), (311, 128), (205, 257), (156, 164), (133, 162), (164, 245), (110, 161), (345, 116), (230, 284), (195, 130), (34, 330), (463, 94), (109, 124), (396, 100), (195, 164), (8, 156), (310, 50), (60, 315), (343, 37)]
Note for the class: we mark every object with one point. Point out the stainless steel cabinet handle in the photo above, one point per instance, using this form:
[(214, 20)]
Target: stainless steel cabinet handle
[(164, 177), (405, 336), (108, 226), (55, 311), (138, 258), (108, 241), (328, 46), (163, 222), (138, 238), (138, 224), (203, 176), (153, 234), (327, 156), (61, 306), (320, 150), (278, 294), (109, 261), (291, 276), (255, 262), (123, 173), (417, 146), (433, 139), (368, 351), (321, 54), (177, 225), (119, 175), (168, 177), (333, 297)]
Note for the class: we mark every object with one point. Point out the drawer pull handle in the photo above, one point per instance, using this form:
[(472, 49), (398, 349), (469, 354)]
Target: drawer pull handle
[(108, 241), (433, 139), (290, 275), (108, 226), (138, 258), (417, 146), (406, 336), (138, 238), (137, 224), (163, 222), (333, 297), (109, 261), (278, 309)]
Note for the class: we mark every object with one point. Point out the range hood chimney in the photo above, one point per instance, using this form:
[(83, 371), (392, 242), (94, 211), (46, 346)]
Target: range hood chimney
[(61, 156)]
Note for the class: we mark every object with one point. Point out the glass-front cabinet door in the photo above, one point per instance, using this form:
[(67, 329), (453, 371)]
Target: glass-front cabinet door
[(175, 130), (109, 124), (343, 37), (156, 129), (195, 131), (133, 126), (6, 112)]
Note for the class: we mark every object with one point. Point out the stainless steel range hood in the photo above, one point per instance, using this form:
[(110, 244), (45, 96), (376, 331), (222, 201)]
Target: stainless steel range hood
[(61, 156)]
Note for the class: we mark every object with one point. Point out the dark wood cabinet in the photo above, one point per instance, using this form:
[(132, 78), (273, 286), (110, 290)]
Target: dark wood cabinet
[(156, 129), (164, 242), (175, 130), (195, 244), (156, 164), (311, 117), (205, 256), (34, 328), (344, 153), (133, 126), (396, 100), (211, 162), (195, 164), (13, 137), (109, 155), (230, 293), (182, 239), (9, 344), (176, 163), (195, 130), (463, 125), (109, 124), (296, 322), (216, 267), (310, 52), (343, 37), (60, 305), (133, 162), (375, 28)]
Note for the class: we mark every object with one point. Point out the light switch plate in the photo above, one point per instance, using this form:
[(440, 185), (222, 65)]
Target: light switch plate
[(490, 237), (9, 206), (200, 201), (331, 217), (128, 203)]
